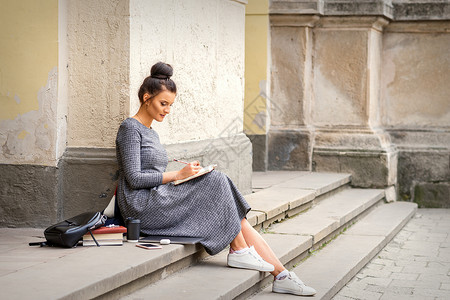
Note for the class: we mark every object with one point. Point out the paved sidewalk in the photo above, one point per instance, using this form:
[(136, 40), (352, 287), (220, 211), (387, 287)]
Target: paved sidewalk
[(414, 265)]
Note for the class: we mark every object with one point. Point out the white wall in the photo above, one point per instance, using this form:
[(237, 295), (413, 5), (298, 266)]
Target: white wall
[(204, 41), (98, 65), (96, 55)]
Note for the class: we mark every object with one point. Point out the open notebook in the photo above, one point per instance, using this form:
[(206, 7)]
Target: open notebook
[(202, 171)]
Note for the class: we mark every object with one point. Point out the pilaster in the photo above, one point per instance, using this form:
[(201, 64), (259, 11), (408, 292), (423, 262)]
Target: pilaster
[(290, 136), (346, 105)]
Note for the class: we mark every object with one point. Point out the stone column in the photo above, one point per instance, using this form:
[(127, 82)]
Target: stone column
[(325, 108), (290, 137), (98, 92), (346, 105)]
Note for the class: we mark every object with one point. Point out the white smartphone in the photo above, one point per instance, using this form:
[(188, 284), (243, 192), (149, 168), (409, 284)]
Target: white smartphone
[(149, 246)]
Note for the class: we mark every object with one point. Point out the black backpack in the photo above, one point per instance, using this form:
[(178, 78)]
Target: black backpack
[(69, 232)]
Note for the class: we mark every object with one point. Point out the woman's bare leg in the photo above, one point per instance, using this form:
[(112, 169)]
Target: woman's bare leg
[(253, 238), (239, 242)]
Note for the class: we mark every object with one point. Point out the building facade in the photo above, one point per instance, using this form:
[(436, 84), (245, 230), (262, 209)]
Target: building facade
[(330, 85), (353, 86), (70, 71)]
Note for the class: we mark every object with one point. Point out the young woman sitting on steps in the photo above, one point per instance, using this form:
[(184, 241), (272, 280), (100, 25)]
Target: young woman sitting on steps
[(210, 206)]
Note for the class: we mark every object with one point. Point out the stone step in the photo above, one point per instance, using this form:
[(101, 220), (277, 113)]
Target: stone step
[(286, 193), (328, 216), (85, 272), (211, 279), (330, 268), (110, 272)]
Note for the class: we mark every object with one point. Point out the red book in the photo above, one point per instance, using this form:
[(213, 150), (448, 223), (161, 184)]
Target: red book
[(109, 229)]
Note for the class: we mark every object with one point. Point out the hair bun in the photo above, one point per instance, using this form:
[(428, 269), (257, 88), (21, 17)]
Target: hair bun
[(161, 70)]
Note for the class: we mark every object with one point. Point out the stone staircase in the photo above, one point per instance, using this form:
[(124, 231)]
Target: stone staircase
[(300, 213), (315, 223)]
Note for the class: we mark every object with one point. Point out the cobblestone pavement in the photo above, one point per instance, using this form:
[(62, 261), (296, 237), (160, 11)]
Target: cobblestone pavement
[(414, 265)]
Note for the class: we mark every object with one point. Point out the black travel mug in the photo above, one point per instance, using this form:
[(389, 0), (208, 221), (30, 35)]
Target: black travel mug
[(133, 230)]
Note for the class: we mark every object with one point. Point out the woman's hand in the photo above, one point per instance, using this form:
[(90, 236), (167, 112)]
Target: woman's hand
[(189, 170)]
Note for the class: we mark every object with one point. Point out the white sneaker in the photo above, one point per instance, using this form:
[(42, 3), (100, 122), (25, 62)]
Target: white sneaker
[(249, 260), (292, 285)]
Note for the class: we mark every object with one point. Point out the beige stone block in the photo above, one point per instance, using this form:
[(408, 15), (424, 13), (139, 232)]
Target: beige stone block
[(340, 77), (288, 50), (415, 78), (370, 169)]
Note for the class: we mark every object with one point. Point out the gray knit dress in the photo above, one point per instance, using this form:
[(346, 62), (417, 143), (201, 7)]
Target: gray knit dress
[(210, 206)]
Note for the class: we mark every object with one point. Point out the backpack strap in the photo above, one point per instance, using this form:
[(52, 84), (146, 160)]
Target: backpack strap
[(93, 238), (40, 244)]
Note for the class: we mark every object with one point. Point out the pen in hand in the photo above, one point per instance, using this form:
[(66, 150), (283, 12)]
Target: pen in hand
[(180, 161), (194, 167), (195, 164)]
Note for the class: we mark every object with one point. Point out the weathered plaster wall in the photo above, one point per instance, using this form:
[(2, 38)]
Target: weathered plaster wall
[(28, 117), (98, 34), (204, 41), (63, 79), (111, 48), (28, 81)]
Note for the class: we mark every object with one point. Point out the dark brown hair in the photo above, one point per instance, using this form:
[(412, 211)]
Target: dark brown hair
[(158, 81)]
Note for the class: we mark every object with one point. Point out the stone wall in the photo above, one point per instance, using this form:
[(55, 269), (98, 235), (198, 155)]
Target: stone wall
[(360, 87), (416, 105)]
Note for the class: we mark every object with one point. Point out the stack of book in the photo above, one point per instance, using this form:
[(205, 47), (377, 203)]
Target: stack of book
[(111, 235)]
